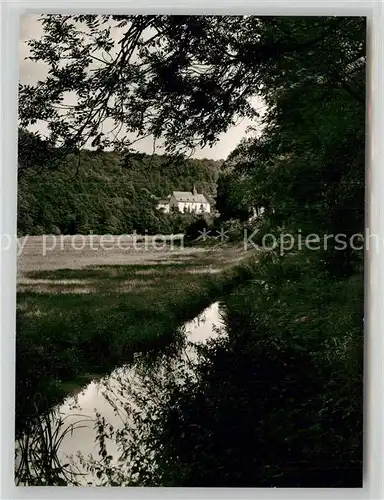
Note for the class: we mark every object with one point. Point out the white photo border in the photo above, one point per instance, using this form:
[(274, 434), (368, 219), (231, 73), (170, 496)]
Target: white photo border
[(10, 12)]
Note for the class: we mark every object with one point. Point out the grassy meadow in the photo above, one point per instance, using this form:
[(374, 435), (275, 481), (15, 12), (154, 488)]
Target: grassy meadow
[(75, 324)]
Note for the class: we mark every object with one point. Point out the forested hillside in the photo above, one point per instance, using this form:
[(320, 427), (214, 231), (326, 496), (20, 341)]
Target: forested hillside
[(108, 192)]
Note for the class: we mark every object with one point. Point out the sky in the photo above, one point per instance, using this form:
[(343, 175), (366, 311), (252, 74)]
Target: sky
[(31, 72)]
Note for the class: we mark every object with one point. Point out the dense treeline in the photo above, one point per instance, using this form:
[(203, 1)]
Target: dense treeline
[(109, 193)]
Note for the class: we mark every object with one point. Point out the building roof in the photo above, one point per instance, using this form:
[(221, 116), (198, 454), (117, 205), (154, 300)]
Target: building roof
[(188, 196), (200, 198)]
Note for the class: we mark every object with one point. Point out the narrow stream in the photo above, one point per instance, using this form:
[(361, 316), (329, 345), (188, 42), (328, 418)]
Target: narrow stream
[(110, 399)]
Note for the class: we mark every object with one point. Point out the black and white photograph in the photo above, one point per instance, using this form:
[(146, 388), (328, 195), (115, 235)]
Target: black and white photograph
[(190, 251)]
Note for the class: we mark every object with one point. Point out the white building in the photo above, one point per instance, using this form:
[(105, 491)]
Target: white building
[(186, 202)]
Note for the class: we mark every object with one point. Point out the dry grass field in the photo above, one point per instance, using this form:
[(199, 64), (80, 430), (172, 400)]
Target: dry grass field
[(79, 264), (43, 253)]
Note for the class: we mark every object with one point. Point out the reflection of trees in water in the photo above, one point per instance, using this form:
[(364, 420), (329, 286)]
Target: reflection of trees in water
[(246, 411), (135, 393), (141, 398), (239, 410)]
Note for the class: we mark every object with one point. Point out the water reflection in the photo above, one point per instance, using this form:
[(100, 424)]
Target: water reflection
[(97, 424)]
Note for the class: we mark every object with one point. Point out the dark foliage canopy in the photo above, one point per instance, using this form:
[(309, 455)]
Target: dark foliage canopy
[(181, 79)]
